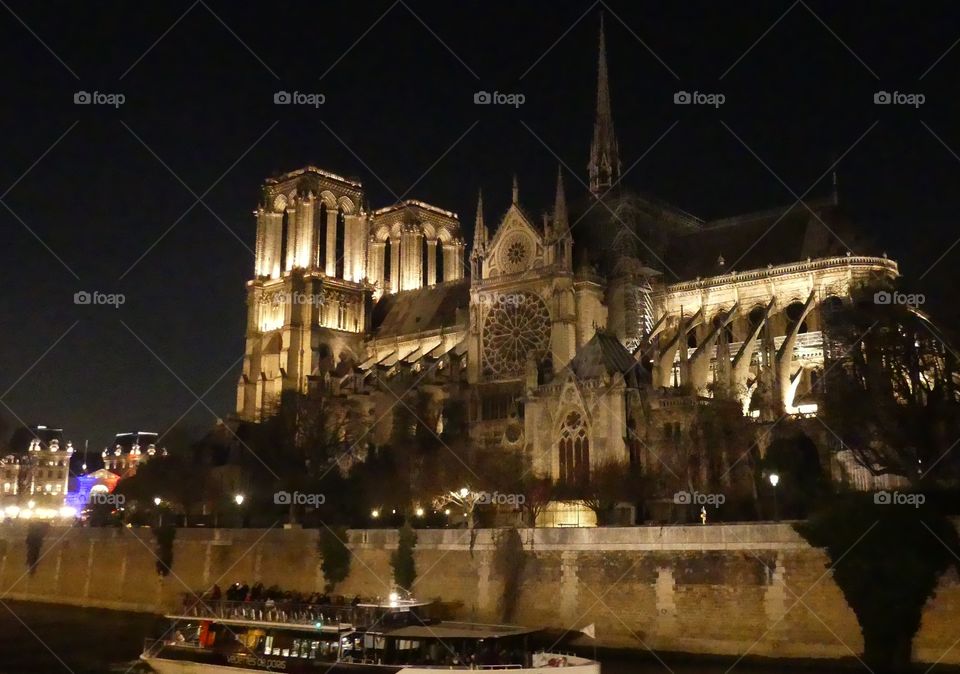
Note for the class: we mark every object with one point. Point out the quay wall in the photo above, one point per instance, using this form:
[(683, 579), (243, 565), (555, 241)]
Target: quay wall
[(756, 589)]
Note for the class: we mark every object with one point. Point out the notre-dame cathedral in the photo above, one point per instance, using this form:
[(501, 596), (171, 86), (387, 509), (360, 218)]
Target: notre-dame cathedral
[(573, 354)]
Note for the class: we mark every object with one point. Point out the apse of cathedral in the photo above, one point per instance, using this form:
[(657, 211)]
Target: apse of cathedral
[(574, 355)]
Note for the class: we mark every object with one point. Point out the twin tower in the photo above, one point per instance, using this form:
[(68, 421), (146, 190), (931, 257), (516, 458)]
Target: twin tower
[(322, 262)]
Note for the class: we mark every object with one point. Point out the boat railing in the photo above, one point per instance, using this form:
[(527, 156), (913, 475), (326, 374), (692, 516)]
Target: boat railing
[(269, 611)]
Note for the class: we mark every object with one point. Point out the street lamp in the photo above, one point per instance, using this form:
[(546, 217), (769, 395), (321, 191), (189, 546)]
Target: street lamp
[(774, 481), (419, 512), (238, 499), (375, 513), (464, 492), (157, 501)]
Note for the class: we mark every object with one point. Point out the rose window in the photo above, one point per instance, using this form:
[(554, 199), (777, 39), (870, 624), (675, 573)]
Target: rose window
[(516, 254), (516, 326)]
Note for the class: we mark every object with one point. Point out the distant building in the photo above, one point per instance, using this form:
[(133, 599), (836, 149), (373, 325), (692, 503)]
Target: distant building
[(34, 476), (129, 450)]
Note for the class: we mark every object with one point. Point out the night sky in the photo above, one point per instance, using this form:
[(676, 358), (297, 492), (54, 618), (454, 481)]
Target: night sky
[(97, 198)]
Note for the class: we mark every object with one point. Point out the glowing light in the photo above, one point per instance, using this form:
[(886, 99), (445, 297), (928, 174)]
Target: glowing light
[(774, 479), (464, 492), (68, 512), (374, 513), (394, 598), (238, 499), (446, 512), (157, 501), (419, 512), (12, 511), (31, 504)]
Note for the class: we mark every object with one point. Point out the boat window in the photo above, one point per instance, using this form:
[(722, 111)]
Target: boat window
[(268, 645), (314, 645)]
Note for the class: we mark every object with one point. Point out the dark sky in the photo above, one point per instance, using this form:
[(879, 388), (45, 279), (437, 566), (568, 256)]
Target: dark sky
[(115, 199)]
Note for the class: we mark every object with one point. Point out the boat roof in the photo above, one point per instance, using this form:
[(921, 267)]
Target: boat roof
[(400, 604), (327, 628), (459, 630)]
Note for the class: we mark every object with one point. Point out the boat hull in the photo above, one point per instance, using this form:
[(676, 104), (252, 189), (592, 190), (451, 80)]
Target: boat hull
[(165, 666)]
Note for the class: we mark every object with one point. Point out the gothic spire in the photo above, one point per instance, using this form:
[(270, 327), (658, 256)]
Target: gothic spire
[(516, 191), (561, 223), (604, 166), (479, 229)]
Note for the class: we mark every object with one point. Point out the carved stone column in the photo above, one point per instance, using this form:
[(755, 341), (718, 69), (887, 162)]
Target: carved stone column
[(453, 261), (395, 265), (260, 268), (291, 251), (272, 247), (375, 265), (411, 257), (349, 242), (330, 268), (431, 262), (361, 233), (305, 242)]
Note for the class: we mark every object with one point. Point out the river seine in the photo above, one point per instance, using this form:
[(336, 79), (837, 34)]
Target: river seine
[(48, 639)]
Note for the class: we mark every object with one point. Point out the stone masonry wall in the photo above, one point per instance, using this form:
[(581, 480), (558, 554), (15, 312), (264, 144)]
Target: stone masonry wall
[(720, 589)]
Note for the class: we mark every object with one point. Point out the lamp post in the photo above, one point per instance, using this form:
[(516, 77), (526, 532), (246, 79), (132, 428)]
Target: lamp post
[(238, 499), (774, 481), (157, 501)]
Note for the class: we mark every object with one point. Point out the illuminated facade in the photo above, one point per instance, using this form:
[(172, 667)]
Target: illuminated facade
[(34, 478), (571, 356), (129, 451)]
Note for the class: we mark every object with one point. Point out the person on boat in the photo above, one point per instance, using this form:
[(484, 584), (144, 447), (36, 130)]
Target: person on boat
[(256, 594)]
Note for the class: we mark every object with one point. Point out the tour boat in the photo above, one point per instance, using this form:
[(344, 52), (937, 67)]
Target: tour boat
[(208, 637)]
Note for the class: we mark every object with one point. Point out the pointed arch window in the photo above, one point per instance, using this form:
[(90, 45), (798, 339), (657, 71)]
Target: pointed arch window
[(574, 450)]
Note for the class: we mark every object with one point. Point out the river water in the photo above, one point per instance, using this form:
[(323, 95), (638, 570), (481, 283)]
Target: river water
[(48, 639)]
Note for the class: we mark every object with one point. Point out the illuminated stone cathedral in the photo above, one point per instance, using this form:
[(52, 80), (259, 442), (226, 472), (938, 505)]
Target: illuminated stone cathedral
[(572, 355)]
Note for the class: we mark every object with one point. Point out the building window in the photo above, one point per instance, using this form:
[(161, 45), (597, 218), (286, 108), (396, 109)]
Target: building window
[(672, 433), (574, 449)]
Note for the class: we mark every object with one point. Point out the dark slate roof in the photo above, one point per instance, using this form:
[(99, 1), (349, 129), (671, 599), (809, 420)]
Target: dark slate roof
[(755, 240), (603, 354), (440, 306)]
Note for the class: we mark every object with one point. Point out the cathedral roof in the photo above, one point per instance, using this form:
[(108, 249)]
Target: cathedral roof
[(602, 355), (756, 240), (412, 311)]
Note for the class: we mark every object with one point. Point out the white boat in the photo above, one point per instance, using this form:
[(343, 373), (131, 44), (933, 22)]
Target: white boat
[(207, 637)]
